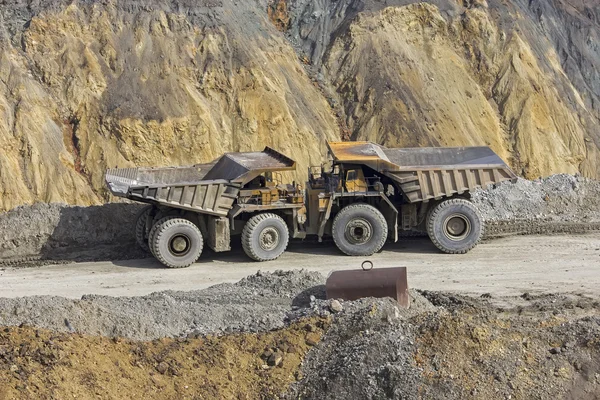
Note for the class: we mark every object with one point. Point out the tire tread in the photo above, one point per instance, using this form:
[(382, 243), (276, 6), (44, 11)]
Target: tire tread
[(359, 206), (158, 230), (249, 230), (435, 211), (140, 228)]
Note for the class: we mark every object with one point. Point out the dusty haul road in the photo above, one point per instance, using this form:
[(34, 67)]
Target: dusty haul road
[(508, 266)]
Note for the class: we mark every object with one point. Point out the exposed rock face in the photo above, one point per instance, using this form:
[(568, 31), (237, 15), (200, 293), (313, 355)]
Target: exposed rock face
[(521, 77), (86, 85), (90, 85)]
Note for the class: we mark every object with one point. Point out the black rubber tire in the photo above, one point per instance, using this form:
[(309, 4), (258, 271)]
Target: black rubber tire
[(171, 228), (264, 224), (438, 220), (141, 228), (370, 219), (160, 217), (153, 230)]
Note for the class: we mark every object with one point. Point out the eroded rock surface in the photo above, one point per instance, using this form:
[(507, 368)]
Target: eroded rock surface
[(94, 84), (90, 85)]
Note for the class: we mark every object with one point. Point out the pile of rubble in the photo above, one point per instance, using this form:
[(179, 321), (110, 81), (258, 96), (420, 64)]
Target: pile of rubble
[(558, 198), (273, 335)]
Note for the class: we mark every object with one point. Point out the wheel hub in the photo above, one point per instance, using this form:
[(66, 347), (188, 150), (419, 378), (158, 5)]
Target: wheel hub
[(179, 245), (269, 239), (457, 227), (358, 231)]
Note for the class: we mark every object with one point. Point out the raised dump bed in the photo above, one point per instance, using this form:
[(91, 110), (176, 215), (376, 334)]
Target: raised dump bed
[(428, 173), (206, 188)]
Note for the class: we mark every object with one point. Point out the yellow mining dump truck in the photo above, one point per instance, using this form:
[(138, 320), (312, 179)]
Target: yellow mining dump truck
[(363, 196)]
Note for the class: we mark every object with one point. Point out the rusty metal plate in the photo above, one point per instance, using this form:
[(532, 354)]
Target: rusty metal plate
[(379, 283)]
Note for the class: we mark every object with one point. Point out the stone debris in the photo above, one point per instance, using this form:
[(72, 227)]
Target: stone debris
[(336, 306), (444, 346)]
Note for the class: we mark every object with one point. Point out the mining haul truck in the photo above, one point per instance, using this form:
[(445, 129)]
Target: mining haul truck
[(364, 196)]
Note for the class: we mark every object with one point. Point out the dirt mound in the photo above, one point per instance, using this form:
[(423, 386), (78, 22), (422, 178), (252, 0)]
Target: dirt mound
[(546, 348), (260, 302), (38, 364), (62, 232), (367, 354), (520, 353), (559, 198)]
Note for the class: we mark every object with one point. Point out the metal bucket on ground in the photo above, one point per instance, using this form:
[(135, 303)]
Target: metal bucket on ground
[(369, 282)]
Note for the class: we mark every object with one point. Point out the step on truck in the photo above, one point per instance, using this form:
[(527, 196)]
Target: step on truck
[(364, 196)]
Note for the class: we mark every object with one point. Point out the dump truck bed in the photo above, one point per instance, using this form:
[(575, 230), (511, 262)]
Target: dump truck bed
[(207, 188), (428, 173)]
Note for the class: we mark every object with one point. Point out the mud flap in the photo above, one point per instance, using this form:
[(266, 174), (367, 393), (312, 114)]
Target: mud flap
[(219, 234)]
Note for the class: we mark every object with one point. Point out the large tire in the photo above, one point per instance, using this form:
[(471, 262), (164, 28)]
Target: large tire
[(160, 217), (142, 228), (176, 242), (155, 225), (359, 230), (265, 237), (455, 226)]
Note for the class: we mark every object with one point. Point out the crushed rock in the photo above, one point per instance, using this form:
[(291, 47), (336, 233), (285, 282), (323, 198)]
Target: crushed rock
[(366, 354), (260, 302), (558, 198), (457, 347)]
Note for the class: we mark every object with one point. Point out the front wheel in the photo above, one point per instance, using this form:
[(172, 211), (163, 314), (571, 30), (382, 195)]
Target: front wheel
[(455, 226), (265, 237), (359, 230), (176, 242)]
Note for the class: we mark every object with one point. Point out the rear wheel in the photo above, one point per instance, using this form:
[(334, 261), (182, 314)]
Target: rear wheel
[(359, 230), (265, 237), (176, 242), (159, 217), (455, 226), (142, 228)]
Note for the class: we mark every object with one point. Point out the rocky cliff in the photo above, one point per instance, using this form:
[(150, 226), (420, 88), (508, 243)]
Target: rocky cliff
[(86, 85), (522, 77)]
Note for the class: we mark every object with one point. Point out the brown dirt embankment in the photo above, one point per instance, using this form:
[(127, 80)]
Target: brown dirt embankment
[(89, 85), (39, 364)]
